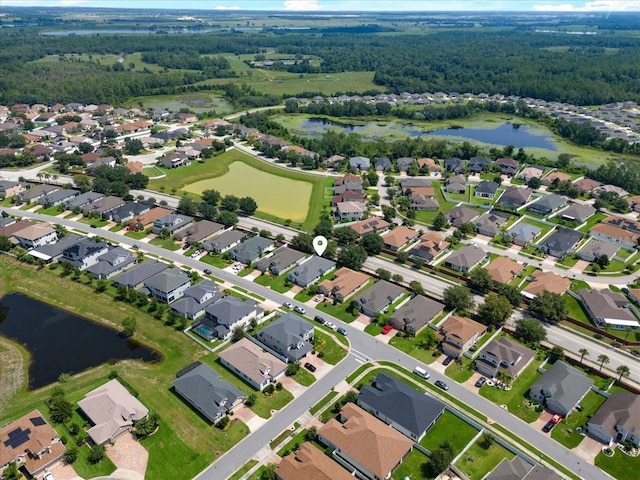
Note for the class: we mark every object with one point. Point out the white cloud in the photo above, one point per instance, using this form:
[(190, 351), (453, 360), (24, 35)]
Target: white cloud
[(593, 6), (302, 5), (224, 7), (71, 3)]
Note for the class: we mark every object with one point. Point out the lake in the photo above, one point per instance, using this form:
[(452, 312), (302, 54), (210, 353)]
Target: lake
[(502, 134), (62, 342)]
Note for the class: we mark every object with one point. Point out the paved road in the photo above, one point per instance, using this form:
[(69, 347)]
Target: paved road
[(363, 345)]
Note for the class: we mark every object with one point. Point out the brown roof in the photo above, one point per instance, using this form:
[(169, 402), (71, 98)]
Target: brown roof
[(252, 360), (134, 166), (10, 230), (503, 269), (349, 177), (548, 281), (426, 191), (310, 463), (615, 232), (34, 232), (149, 217), (373, 224), (561, 176), (586, 184), (399, 236), (28, 436), (365, 439), (345, 282), (433, 242), (430, 163), (462, 328)]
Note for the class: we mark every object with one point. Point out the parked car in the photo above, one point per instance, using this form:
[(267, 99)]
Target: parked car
[(287, 305), (310, 367), (421, 372), (480, 382), (556, 419), (319, 319), (548, 426), (207, 271), (442, 385), (300, 310), (48, 476), (184, 247), (447, 361), (93, 225), (386, 329), (195, 254), (342, 331), (330, 325)]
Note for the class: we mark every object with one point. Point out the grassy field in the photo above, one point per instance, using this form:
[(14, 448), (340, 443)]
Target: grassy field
[(415, 466), (451, 429), (575, 310), (331, 352), (478, 460), (198, 102), (182, 179)]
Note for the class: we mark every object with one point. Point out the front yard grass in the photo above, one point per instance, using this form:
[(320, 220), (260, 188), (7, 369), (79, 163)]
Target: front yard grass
[(116, 228), (421, 347), (322, 403), (303, 377), (327, 348), (451, 429), (138, 235), (338, 311), (565, 432), (98, 222), (373, 328), (51, 211), (215, 261), (619, 466), (303, 296), (293, 443), (278, 284), (166, 243), (515, 399), (478, 460), (460, 372)]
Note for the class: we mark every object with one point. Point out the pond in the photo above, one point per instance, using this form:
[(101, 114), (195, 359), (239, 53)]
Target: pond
[(502, 134), (62, 342)]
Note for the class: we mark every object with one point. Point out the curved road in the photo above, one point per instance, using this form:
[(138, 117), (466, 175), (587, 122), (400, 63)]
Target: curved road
[(363, 347)]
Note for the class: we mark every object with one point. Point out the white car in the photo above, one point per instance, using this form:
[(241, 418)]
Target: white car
[(287, 305), (330, 325), (48, 476), (299, 310)]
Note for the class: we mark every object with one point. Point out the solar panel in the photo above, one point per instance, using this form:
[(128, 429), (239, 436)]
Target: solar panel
[(37, 421), (17, 437)]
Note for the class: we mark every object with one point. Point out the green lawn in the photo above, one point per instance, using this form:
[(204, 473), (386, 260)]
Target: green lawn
[(138, 235), (167, 243), (277, 284), (478, 461), (614, 266), (515, 398), (303, 296), (575, 310), (245, 468), (451, 429), (565, 431), (416, 346), (338, 311), (325, 401), (303, 377), (98, 222), (327, 348), (544, 228), (293, 443), (619, 466), (215, 261), (116, 228), (592, 221), (373, 328), (460, 372), (415, 466), (52, 211)]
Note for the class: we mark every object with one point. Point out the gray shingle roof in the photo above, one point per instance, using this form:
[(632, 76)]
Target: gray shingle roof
[(288, 330), (466, 257), (140, 273), (578, 211), (548, 203), (562, 240), (564, 384), (379, 295), (167, 280), (250, 249), (417, 312), (115, 259), (224, 240), (281, 259), (55, 249), (310, 270), (487, 187), (524, 232)]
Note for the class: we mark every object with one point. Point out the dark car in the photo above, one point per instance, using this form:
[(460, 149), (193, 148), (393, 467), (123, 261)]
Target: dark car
[(309, 367), (447, 361), (319, 319), (548, 426), (93, 225), (341, 331), (442, 385), (480, 382), (207, 271)]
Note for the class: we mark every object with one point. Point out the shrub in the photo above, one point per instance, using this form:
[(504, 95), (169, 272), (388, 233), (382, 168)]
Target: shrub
[(74, 428), (222, 423), (70, 455), (250, 400), (279, 386), (269, 389), (96, 454)]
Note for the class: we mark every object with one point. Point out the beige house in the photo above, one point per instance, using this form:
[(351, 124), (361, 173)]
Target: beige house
[(346, 282), (459, 334), (310, 463), (253, 364), (549, 281), (503, 269)]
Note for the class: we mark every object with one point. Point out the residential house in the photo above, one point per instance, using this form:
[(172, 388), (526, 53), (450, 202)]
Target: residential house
[(348, 182), (310, 463), (423, 202), (205, 391), (83, 200), (289, 337), (377, 298), (416, 185), (431, 245), (170, 223), (136, 277), (347, 196), (594, 249), (504, 355), (373, 224), (414, 315), (311, 270), (577, 212), (479, 164), (623, 222), (350, 211), (226, 315), (198, 232), (252, 363), (382, 164), (404, 163), (586, 185), (225, 241), (519, 469), (508, 166), (144, 220), (59, 197), (453, 164), (398, 237), (608, 309), (35, 236), (250, 250), (503, 269), (84, 253), (53, 251), (459, 215), (428, 164), (621, 192), (530, 172), (282, 259), (360, 163), (606, 232), (364, 443), (333, 160), (10, 189), (105, 206), (561, 242), (549, 281), (111, 263), (523, 233), (112, 410), (196, 299), (7, 221), (561, 388), (515, 197), (126, 212), (400, 406), (556, 175), (465, 259), (345, 283), (617, 420), (30, 441), (486, 189), (634, 202), (174, 160), (547, 204), (459, 334), (489, 223), (456, 184), (168, 285), (35, 193)]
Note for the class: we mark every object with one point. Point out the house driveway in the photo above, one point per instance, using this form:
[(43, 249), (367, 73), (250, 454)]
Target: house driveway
[(294, 387), (542, 420), (62, 471), (248, 417), (471, 383), (253, 275), (387, 338), (322, 367), (127, 454), (361, 322), (293, 292), (579, 266), (588, 449), (438, 366)]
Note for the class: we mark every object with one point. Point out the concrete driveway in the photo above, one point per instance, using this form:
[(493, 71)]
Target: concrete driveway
[(62, 471), (248, 417), (127, 454), (588, 449)]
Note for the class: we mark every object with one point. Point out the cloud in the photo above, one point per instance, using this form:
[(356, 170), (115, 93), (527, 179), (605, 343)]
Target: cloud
[(302, 5), (224, 7), (71, 3), (593, 6)]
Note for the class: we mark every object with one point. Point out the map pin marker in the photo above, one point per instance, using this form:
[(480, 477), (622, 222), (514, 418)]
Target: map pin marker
[(319, 244)]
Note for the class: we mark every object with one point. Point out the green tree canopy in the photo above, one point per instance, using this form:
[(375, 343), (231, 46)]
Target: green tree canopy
[(495, 310), (549, 306), (457, 297)]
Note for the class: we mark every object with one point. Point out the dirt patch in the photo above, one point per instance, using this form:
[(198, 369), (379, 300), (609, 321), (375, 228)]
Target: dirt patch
[(11, 371)]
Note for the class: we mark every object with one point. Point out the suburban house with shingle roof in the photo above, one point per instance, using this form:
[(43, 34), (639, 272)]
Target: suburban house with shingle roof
[(465, 259), (561, 242), (503, 269), (345, 282), (414, 315), (459, 215), (53, 251), (10, 189), (399, 237), (311, 270), (549, 281), (515, 197), (111, 263), (530, 172), (112, 410), (560, 388), (168, 285), (349, 210), (225, 241), (489, 223), (400, 406), (36, 192), (282, 259), (373, 224), (310, 463), (608, 309), (84, 199), (459, 334), (547, 204), (105, 206), (556, 175), (523, 233), (365, 443), (486, 189), (594, 249), (577, 212), (360, 163), (431, 245), (171, 222), (84, 253), (479, 164), (508, 166), (126, 212), (586, 184), (289, 336), (518, 469), (252, 363), (136, 277), (614, 234), (227, 314), (251, 249), (377, 298), (199, 231), (456, 184), (196, 299), (617, 420), (205, 391), (149, 217), (37, 235), (503, 355), (58, 197)]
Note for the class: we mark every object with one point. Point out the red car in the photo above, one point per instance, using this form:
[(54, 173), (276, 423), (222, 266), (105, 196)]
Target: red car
[(556, 419), (386, 329)]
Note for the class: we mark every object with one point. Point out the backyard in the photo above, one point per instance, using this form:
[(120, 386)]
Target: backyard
[(479, 460), (449, 428)]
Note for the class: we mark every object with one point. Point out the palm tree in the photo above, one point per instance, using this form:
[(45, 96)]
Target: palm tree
[(602, 358), (583, 353), (623, 371), (627, 331)]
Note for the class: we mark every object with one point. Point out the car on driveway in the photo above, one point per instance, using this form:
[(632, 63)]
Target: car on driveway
[(310, 367), (48, 476), (342, 331), (299, 310), (442, 385), (287, 305), (386, 329), (548, 426), (480, 381), (447, 361)]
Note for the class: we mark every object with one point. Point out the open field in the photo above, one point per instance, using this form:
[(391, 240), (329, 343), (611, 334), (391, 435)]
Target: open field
[(198, 102)]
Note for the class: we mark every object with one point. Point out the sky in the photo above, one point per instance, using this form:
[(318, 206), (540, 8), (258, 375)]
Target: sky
[(350, 5)]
